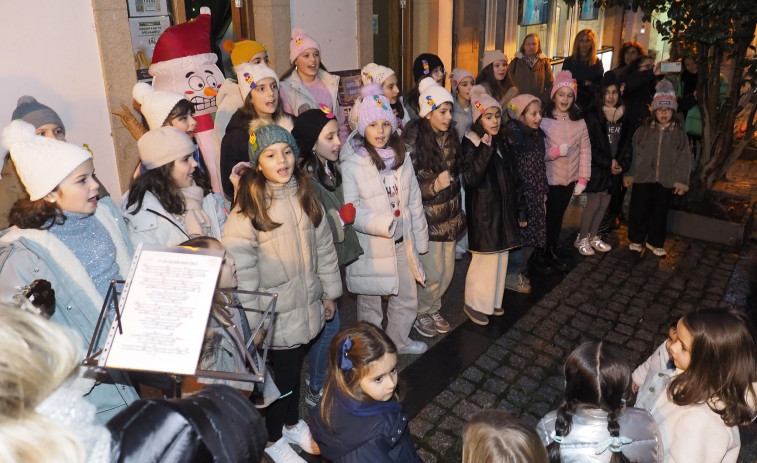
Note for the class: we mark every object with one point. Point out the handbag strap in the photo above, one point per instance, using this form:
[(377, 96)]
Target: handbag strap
[(170, 221)]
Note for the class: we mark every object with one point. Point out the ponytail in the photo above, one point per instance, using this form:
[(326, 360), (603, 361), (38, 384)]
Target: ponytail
[(563, 423)]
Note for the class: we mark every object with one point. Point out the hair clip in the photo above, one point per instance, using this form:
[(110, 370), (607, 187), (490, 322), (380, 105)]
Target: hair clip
[(380, 103), (622, 401), (325, 109), (555, 437), (425, 67), (344, 363), (431, 103), (615, 444), (253, 141), (622, 88)]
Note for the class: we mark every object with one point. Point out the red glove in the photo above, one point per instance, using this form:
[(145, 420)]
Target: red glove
[(347, 213)]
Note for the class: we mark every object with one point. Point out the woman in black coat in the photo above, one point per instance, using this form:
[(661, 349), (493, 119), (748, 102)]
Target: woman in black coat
[(610, 133), (586, 67), (495, 205)]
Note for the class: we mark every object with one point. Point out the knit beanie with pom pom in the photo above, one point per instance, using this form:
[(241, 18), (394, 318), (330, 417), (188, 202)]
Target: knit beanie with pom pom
[(242, 51), (564, 79), (374, 107), (41, 162), (299, 43), (665, 96), (35, 113), (480, 101), (156, 104), (432, 96)]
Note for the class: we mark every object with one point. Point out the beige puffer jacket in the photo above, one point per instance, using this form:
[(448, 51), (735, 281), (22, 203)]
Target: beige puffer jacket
[(296, 260)]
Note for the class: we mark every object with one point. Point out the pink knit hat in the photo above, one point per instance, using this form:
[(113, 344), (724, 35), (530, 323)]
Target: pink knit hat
[(299, 43), (374, 107), (564, 79), (518, 104), (457, 75), (665, 96), (481, 101)]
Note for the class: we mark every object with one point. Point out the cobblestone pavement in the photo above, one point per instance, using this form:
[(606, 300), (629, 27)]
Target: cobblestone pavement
[(618, 297)]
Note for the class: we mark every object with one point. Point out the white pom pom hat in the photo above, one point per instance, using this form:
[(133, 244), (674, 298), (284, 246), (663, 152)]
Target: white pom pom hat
[(432, 96), (41, 162), (156, 104)]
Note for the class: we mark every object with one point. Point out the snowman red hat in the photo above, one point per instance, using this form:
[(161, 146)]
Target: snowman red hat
[(183, 46)]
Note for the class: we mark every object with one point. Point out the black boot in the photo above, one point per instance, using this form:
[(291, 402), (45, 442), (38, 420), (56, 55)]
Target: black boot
[(540, 263), (560, 262)]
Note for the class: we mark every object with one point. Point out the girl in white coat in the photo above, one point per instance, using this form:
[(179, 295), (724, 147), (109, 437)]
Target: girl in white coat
[(172, 201), (279, 237), (700, 404), (379, 180)]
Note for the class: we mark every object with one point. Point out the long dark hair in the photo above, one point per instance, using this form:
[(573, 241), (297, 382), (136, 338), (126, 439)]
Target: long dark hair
[(574, 112), (411, 99), (723, 365), (395, 143), (598, 376), (498, 88), (312, 164), (427, 153), (248, 109), (39, 214), (254, 197), (498, 141), (159, 182), (599, 100)]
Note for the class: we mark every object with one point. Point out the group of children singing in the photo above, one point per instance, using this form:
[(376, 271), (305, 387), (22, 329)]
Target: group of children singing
[(387, 205)]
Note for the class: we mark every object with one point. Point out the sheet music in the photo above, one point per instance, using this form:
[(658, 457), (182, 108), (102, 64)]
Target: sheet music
[(165, 308)]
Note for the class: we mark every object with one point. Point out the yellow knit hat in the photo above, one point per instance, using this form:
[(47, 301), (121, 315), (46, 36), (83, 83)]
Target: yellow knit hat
[(242, 51)]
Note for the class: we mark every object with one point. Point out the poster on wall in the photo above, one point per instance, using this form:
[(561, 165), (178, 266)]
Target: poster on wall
[(349, 89), (147, 7), (533, 12), (589, 12), (144, 36)]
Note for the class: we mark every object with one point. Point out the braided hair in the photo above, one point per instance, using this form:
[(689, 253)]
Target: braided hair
[(597, 376)]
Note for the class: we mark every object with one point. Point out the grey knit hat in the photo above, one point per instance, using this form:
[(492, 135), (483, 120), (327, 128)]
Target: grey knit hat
[(32, 111), (267, 135)]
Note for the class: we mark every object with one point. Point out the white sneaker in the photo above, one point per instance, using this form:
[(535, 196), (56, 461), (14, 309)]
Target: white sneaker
[(300, 435), (599, 245), (635, 247), (414, 348), (659, 252), (281, 452), (584, 248)]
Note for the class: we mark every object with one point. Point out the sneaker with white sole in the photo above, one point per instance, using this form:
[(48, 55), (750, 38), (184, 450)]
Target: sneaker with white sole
[(475, 316), (414, 348), (424, 325), (281, 452), (441, 325), (300, 435), (312, 398), (518, 283), (584, 248), (599, 245), (635, 247), (659, 252)]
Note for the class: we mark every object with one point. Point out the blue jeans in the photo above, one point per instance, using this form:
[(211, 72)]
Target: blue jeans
[(319, 352), (515, 261)]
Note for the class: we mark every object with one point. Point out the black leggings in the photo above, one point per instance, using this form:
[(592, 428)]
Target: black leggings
[(287, 367), (558, 198)]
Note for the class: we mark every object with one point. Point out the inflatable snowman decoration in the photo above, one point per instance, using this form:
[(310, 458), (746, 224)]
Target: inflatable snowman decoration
[(183, 63)]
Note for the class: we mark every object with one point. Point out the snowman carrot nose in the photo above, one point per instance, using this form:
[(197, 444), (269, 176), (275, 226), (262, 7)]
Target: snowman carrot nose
[(208, 91)]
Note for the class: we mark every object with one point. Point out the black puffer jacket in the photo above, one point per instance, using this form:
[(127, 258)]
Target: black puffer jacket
[(493, 196), (601, 154), (216, 425), (234, 149), (443, 209)]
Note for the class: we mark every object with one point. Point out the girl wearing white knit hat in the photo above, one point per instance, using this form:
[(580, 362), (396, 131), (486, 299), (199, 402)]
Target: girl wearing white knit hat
[(171, 202), (63, 234)]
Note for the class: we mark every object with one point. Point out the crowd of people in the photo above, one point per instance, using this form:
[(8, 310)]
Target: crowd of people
[(381, 201)]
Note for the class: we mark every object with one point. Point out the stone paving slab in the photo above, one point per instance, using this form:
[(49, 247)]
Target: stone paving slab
[(617, 297)]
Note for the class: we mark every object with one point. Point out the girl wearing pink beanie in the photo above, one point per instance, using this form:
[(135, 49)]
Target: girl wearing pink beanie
[(568, 158), (307, 84)]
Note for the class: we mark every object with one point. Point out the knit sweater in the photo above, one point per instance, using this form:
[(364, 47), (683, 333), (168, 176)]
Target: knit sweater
[(87, 238)]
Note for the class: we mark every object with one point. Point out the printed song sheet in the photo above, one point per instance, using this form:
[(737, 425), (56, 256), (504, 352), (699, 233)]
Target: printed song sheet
[(165, 310)]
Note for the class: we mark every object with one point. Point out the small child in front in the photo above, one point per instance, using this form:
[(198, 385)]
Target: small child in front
[(359, 418)]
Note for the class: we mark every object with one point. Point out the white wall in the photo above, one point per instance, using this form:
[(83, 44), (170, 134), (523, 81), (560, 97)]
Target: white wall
[(50, 51), (333, 24)]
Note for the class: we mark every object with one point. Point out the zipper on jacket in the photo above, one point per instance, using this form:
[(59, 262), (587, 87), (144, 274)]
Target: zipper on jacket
[(657, 166)]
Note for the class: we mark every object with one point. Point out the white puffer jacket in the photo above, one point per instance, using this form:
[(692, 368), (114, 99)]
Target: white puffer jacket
[(375, 272), (296, 260)]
